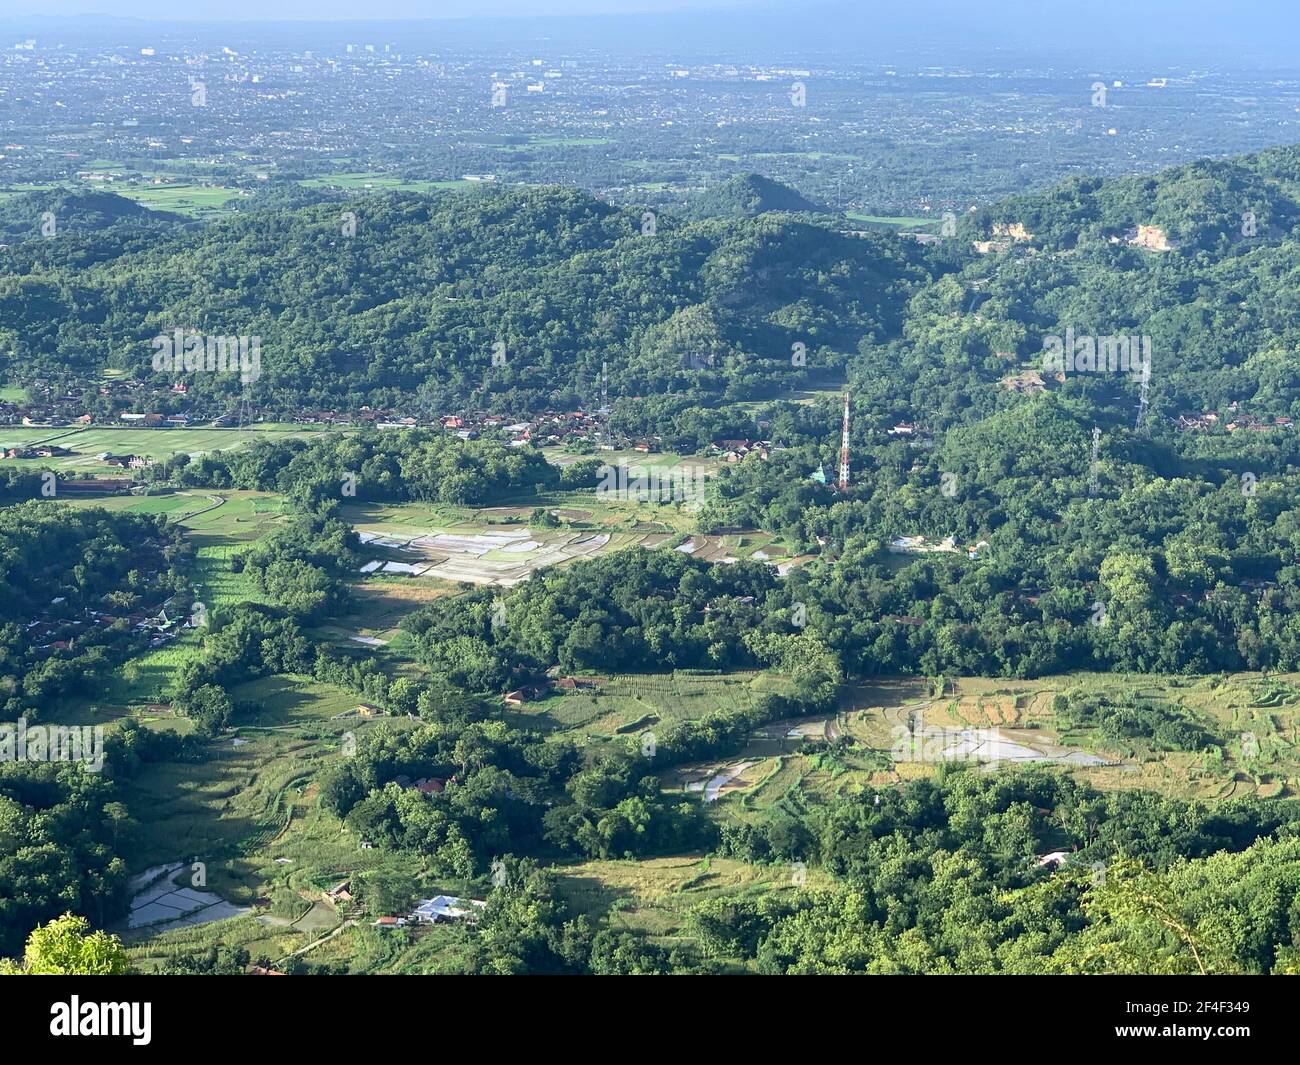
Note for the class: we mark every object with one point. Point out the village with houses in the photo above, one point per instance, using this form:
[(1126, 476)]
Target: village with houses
[(130, 404), (150, 615)]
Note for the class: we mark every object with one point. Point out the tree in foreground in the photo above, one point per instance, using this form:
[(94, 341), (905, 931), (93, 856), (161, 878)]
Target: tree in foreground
[(67, 947)]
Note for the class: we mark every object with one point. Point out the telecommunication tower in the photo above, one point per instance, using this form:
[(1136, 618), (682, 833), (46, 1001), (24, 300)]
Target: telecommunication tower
[(844, 448)]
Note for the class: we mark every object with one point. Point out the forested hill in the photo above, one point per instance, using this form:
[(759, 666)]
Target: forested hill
[(1208, 205), (46, 215), (1105, 533), (749, 195), (509, 298), (1202, 259)]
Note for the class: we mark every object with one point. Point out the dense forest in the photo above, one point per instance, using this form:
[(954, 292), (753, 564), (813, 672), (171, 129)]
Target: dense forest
[(497, 299), (424, 465), (942, 879)]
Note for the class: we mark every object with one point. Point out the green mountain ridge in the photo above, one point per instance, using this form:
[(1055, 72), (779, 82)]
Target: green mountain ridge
[(416, 302)]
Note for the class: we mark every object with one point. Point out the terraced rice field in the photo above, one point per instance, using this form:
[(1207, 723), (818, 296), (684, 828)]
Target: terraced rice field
[(503, 558), (495, 547), (654, 896), (617, 708)]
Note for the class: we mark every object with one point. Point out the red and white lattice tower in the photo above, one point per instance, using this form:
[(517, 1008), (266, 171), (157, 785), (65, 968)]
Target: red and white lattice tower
[(844, 448)]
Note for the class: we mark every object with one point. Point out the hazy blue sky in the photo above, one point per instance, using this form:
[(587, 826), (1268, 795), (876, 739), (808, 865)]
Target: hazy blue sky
[(1199, 19), (359, 9), (1216, 33)]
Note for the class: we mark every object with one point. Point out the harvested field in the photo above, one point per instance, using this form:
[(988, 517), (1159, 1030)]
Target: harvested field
[(416, 541)]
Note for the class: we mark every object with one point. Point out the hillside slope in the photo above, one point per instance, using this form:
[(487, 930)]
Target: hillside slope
[(510, 298)]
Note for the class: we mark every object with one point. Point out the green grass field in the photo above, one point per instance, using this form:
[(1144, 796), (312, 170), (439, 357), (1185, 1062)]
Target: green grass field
[(370, 181), (158, 444), (623, 705), (556, 142), (8, 192), (194, 200), (893, 221), (654, 896), (22, 436)]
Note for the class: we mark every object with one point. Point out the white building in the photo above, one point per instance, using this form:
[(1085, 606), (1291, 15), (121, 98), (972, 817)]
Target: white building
[(447, 908)]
